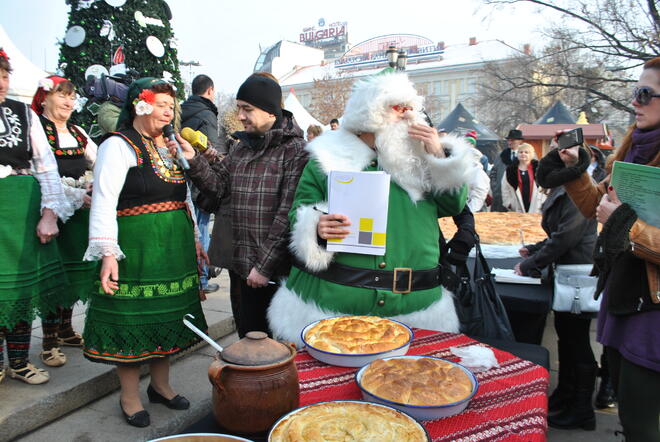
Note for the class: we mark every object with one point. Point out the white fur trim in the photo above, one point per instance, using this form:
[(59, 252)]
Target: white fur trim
[(304, 244), (453, 171), (366, 109), (340, 150), (288, 314)]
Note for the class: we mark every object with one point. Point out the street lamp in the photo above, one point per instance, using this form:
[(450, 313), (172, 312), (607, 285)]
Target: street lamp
[(401, 60), (392, 55)]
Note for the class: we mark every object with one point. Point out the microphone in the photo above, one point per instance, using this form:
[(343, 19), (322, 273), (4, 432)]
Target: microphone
[(168, 132), (196, 138)]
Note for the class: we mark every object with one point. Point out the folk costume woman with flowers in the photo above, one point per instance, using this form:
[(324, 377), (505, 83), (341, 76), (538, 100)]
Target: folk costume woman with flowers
[(31, 201), (75, 153), (142, 230)]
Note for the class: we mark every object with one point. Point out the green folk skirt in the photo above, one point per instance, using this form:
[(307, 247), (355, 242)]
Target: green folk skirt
[(158, 285), (31, 274), (72, 242)]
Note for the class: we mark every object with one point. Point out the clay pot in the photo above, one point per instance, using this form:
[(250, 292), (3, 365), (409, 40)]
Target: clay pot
[(255, 382)]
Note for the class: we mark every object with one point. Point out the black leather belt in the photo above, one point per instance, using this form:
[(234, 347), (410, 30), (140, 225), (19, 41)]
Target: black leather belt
[(400, 280)]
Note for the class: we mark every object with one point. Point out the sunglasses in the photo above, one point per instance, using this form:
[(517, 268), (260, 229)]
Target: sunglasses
[(643, 95), (401, 108)]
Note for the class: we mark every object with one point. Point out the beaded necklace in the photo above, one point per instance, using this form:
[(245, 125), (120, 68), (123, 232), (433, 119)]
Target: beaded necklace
[(162, 162)]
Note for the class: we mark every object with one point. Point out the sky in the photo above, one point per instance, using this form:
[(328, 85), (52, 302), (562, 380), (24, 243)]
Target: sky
[(225, 36)]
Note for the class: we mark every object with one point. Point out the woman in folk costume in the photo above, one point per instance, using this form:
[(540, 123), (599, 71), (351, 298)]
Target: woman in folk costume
[(75, 153), (31, 201), (142, 230), (383, 129), (520, 191)]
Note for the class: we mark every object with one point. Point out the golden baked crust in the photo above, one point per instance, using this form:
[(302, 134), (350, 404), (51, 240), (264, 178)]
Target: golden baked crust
[(501, 227), (422, 381), (357, 335), (348, 422)]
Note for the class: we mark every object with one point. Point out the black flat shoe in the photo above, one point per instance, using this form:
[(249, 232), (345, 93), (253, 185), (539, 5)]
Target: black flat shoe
[(140, 419), (178, 402)]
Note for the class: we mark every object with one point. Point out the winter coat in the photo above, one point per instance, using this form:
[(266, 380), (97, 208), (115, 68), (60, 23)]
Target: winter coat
[(512, 196), (412, 241), (631, 246), (261, 182), (479, 187), (199, 113), (571, 236)]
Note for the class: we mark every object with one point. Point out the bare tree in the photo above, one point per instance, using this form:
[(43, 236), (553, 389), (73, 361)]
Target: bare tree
[(227, 115), (593, 57), (329, 96)]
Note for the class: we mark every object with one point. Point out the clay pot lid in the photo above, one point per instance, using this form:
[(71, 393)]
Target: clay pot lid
[(256, 348)]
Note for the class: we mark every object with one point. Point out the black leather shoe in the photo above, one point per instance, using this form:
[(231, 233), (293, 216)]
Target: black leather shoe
[(140, 419), (178, 402), (211, 287)]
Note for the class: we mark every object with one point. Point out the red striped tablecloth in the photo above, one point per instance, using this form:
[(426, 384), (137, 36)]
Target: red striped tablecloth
[(511, 403)]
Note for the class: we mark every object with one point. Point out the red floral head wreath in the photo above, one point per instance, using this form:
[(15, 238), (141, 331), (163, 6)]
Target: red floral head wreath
[(45, 85), (3, 54)]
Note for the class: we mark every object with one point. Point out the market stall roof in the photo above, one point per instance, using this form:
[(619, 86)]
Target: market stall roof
[(25, 75), (462, 120), (557, 114), (547, 131), (303, 118)]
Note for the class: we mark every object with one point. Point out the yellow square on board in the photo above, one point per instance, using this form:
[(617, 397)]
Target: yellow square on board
[(366, 224), (378, 239), (335, 239)]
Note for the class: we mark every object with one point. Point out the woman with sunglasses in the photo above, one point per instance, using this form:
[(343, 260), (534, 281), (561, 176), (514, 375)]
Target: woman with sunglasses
[(627, 258)]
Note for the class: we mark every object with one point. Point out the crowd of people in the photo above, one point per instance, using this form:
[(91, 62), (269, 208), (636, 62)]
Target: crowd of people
[(124, 228)]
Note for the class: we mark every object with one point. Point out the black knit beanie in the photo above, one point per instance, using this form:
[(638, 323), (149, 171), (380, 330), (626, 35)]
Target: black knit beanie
[(263, 93)]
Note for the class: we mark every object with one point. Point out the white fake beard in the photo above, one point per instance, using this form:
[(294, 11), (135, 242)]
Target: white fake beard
[(401, 156)]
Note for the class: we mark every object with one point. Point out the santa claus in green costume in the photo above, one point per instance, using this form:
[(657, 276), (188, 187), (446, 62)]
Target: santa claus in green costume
[(383, 129)]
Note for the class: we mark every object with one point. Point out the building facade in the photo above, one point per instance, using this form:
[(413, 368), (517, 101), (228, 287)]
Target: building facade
[(445, 74)]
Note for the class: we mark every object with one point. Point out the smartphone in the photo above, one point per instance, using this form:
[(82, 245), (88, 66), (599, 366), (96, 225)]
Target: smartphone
[(571, 138)]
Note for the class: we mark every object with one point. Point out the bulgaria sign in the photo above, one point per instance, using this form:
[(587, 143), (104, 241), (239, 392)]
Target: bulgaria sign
[(324, 35)]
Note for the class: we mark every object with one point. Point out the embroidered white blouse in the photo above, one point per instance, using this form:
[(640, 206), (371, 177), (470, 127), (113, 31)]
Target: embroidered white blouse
[(114, 159)]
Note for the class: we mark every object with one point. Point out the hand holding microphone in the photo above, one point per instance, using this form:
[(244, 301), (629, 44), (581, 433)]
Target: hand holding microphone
[(179, 154)]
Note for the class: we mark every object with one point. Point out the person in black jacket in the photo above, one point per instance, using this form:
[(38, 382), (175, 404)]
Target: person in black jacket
[(199, 113), (571, 240)]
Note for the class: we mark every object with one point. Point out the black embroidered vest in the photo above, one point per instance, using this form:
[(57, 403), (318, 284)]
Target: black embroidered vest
[(157, 178), (15, 146), (71, 162)]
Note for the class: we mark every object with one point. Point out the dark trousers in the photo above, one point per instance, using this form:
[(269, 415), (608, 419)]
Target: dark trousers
[(252, 307), (235, 295), (638, 393), (573, 332)]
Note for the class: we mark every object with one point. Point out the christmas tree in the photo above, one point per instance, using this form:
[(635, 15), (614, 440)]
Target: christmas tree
[(112, 36)]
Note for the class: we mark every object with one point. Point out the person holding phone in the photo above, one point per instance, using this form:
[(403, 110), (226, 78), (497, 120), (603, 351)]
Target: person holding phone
[(627, 258), (520, 191)]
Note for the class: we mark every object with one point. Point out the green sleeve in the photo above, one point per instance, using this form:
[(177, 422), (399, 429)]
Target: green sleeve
[(451, 203), (312, 189)]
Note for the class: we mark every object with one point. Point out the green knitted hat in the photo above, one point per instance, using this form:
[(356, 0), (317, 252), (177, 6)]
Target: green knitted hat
[(133, 91)]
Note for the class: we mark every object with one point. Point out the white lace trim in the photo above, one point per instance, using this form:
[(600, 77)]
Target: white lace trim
[(62, 208), (96, 250), (74, 195)]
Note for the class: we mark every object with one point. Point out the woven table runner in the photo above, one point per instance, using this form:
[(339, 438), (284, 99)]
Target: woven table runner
[(511, 403)]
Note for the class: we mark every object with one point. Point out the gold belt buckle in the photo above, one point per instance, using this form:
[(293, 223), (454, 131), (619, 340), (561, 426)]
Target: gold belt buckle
[(402, 269)]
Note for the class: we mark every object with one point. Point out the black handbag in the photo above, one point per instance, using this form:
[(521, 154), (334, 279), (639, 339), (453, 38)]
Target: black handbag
[(478, 306)]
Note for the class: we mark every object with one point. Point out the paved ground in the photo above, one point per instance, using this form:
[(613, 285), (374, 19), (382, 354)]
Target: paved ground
[(70, 401)]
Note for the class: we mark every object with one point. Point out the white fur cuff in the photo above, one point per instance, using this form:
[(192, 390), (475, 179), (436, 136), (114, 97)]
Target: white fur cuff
[(453, 171), (304, 244)]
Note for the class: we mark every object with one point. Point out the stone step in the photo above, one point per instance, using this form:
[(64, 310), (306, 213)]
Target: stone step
[(78, 386), (102, 420)]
